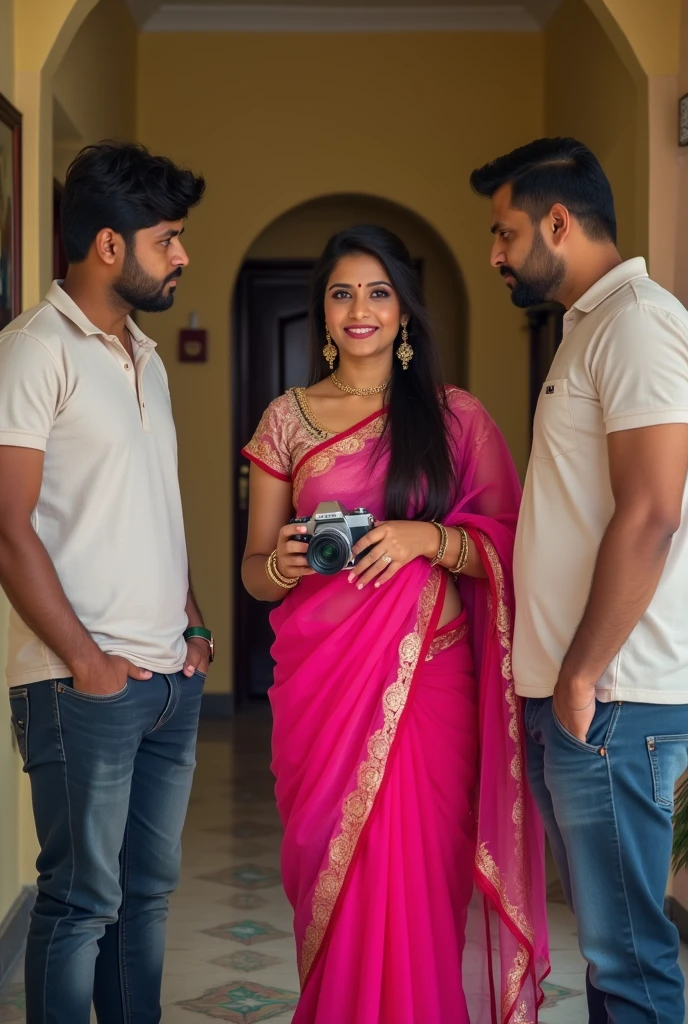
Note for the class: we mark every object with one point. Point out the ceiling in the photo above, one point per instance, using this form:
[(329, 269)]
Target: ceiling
[(335, 15)]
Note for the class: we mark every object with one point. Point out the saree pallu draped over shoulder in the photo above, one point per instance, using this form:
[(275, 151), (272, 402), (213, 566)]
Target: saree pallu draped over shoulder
[(399, 762)]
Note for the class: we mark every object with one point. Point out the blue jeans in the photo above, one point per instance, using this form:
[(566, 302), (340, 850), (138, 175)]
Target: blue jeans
[(110, 783), (607, 806)]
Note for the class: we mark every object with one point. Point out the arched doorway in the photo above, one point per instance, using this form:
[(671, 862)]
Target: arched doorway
[(270, 353)]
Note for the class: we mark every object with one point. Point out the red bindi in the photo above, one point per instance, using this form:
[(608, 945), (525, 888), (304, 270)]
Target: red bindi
[(359, 286)]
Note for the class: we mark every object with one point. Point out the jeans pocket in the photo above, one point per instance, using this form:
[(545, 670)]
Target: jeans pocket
[(601, 728), (67, 686), (19, 709), (530, 712), (668, 761)]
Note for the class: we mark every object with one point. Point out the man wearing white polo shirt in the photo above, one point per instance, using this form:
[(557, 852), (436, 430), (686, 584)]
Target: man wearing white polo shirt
[(601, 570), (107, 649)]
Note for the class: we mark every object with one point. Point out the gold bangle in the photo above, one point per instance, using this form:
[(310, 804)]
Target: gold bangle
[(276, 576), (280, 581), (444, 541), (462, 561), (280, 575), (280, 578)]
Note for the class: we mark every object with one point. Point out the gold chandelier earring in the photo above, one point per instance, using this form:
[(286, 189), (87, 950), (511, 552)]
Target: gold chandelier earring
[(330, 350), (405, 350)]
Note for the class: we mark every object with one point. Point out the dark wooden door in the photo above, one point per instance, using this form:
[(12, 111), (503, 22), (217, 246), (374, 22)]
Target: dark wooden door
[(271, 354)]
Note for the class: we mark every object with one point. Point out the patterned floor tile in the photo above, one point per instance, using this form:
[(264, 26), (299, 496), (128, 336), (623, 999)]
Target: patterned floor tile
[(224, 830), (253, 829), (248, 933), (248, 849), (555, 994), (247, 829), (245, 876), (12, 1003), (243, 1002), (246, 901), (248, 960), (253, 797)]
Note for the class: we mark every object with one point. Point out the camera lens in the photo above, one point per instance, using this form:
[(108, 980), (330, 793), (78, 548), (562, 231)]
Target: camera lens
[(328, 552)]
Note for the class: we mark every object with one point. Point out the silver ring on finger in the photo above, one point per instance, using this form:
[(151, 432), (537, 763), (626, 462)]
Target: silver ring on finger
[(386, 559)]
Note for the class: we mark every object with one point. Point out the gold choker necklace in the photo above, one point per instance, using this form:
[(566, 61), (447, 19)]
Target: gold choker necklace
[(361, 392)]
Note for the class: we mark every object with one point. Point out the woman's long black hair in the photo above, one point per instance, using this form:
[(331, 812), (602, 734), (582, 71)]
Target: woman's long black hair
[(421, 472)]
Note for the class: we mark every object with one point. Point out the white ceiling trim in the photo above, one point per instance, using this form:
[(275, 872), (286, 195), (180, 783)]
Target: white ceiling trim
[(282, 18)]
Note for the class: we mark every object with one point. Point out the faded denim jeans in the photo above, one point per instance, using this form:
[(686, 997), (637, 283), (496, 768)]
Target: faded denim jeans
[(607, 806), (110, 782)]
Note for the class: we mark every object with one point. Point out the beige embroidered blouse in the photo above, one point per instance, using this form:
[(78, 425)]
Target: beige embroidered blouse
[(286, 433)]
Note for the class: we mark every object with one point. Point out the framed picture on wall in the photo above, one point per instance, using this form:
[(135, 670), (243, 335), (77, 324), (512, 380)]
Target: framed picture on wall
[(10, 212)]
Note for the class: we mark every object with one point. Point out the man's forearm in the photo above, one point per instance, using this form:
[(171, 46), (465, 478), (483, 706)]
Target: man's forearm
[(629, 566), (28, 577), (193, 612)]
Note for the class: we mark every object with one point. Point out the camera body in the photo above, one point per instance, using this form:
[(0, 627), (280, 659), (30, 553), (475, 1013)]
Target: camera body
[(332, 533)]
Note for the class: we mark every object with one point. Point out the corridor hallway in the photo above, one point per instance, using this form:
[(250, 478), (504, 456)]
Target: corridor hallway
[(230, 952)]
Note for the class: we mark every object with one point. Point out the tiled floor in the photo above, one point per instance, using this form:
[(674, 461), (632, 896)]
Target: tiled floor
[(230, 953)]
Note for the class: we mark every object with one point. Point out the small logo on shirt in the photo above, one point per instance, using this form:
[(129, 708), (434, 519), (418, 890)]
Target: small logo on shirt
[(549, 390)]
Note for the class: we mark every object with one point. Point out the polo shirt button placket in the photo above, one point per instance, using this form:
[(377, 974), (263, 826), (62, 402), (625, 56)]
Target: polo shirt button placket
[(142, 405)]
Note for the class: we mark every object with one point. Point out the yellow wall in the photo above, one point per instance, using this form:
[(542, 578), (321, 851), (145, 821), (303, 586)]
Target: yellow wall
[(681, 198), (10, 765), (645, 34), (7, 48), (275, 120), (591, 95), (95, 101), (303, 232), (43, 31)]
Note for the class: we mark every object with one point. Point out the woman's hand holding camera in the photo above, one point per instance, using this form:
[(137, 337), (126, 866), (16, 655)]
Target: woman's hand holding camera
[(392, 545), (291, 554)]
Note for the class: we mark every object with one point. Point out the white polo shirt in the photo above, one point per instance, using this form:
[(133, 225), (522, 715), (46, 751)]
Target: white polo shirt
[(109, 512), (623, 364)]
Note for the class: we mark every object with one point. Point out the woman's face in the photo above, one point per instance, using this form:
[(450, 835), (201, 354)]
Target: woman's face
[(362, 310)]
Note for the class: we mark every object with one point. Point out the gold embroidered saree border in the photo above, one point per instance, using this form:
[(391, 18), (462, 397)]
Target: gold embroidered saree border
[(446, 640), (322, 461), (485, 863), (358, 805)]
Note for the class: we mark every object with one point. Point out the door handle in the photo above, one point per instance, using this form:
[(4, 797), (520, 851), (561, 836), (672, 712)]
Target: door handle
[(243, 488)]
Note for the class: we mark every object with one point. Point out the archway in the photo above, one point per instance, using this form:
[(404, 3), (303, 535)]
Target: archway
[(301, 233), (42, 33), (647, 39), (271, 353)]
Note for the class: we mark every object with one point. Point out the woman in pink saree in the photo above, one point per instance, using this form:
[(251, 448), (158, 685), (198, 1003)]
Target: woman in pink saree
[(412, 853)]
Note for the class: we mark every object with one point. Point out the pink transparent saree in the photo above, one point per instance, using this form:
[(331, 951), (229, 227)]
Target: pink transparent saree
[(399, 763)]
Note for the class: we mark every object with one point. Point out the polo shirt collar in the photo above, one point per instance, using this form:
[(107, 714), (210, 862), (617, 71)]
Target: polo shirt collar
[(62, 302), (626, 272)]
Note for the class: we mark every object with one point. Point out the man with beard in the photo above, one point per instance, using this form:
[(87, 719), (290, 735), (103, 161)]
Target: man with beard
[(107, 648), (601, 570)]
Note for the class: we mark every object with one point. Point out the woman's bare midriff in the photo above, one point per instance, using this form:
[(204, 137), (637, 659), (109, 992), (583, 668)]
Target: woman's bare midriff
[(452, 604)]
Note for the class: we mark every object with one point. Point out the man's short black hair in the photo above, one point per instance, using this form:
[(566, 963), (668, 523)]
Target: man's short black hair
[(550, 171), (120, 185)]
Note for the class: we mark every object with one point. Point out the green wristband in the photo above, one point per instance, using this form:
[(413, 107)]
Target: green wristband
[(203, 634), (199, 631)]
